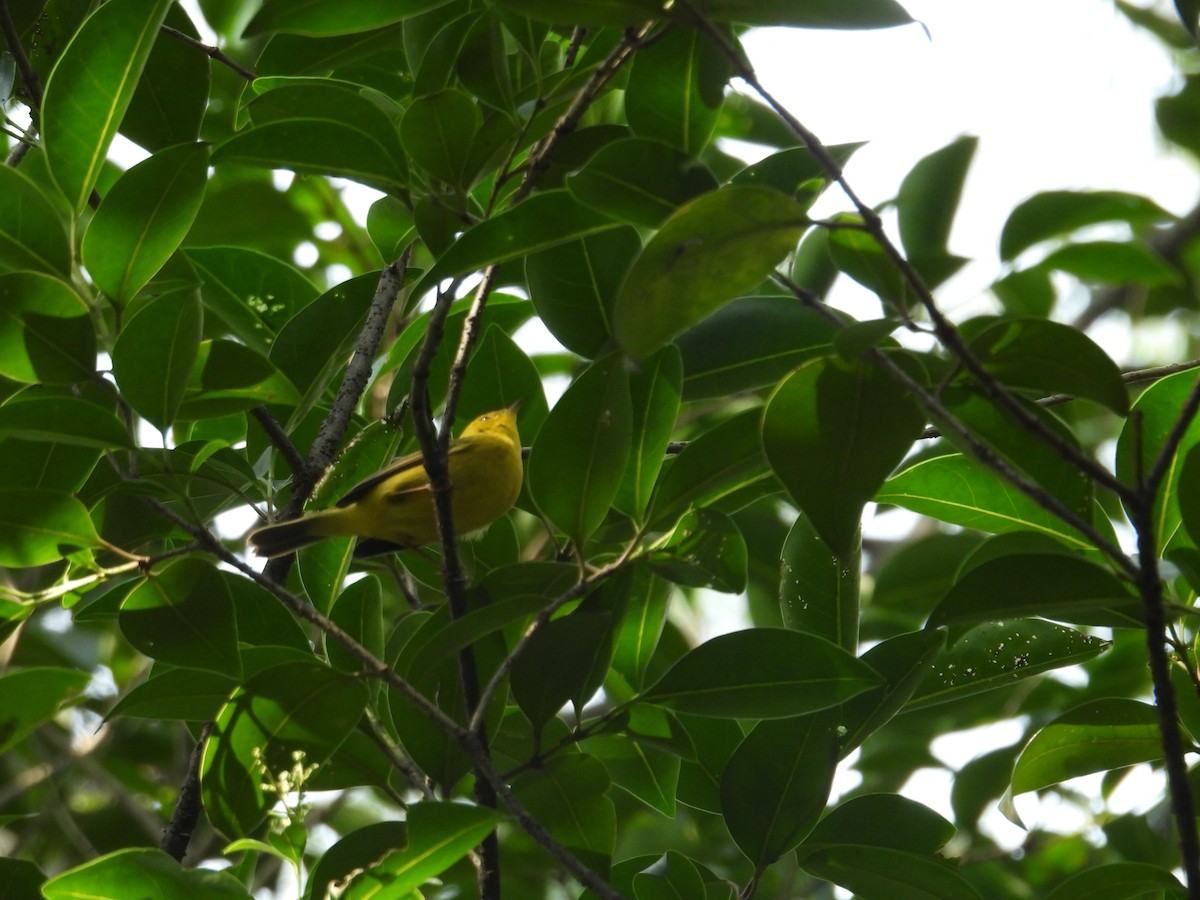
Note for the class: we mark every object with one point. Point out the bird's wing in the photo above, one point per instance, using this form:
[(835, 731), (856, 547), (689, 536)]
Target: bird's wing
[(407, 463)]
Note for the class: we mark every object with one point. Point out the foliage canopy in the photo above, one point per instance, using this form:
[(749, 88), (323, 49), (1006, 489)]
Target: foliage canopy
[(529, 714)]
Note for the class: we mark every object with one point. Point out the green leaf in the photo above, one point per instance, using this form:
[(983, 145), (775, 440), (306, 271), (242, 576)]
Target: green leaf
[(183, 615), (640, 181), (499, 374), (958, 490), (1044, 464), (544, 220), (63, 420), (579, 456), (789, 169), (189, 695), (355, 852), (19, 878), (1054, 213), (885, 872), (586, 12), (750, 343), (36, 524), (870, 820), (810, 14), (144, 218), (312, 17), (857, 253), (300, 707), (141, 872), (322, 146), (46, 334), (641, 628), (832, 435), (558, 661), (929, 197), (1113, 262), (568, 794), (705, 549), (1050, 585), (903, 662), (437, 131), (654, 390), (717, 464), (1119, 881), (709, 251), (316, 342), (644, 770), (31, 233), (168, 106), (777, 783), (1000, 654), (254, 294), (90, 88), (819, 590), (573, 287), (358, 611), (676, 88), (154, 355), (676, 878), (1144, 434), (761, 673), (229, 377), (31, 697), (439, 835), (1096, 737)]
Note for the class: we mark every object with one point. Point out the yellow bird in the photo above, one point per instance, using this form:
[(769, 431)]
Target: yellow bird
[(393, 509)]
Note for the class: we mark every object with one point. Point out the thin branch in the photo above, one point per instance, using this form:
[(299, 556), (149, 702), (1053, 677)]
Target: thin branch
[(178, 833), (435, 450), (534, 828), (213, 52), (1135, 376), (470, 334), (29, 75), (979, 449), (577, 590), (373, 667), (279, 438), (945, 330), (539, 158), (358, 373), (1149, 583)]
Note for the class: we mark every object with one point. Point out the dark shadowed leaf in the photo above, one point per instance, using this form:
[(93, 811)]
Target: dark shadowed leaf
[(833, 434), (710, 250)]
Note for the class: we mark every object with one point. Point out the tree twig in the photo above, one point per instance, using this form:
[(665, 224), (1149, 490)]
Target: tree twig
[(358, 372), (178, 833), (29, 75), (539, 158), (214, 53), (435, 449)]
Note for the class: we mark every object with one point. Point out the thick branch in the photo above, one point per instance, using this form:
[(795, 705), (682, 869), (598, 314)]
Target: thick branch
[(358, 372)]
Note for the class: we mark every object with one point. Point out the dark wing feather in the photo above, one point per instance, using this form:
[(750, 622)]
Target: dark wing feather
[(403, 464)]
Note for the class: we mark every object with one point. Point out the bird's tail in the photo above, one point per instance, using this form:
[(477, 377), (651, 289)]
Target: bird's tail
[(288, 537)]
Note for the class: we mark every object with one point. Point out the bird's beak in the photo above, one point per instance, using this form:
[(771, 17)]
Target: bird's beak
[(513, 408)]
